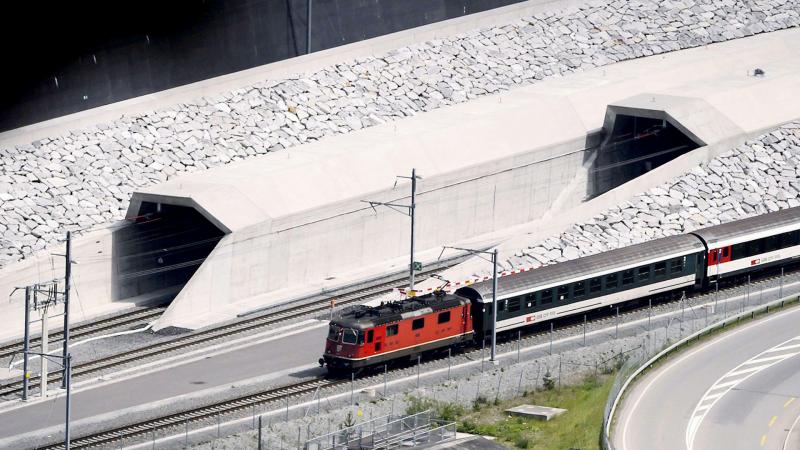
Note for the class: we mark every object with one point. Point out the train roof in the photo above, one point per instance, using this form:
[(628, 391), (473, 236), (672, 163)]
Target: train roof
[(363, 317), (592, 265), (751, 228)]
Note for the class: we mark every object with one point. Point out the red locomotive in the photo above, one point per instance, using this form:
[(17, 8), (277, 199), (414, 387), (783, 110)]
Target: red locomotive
[(368, 336), (658, 269)]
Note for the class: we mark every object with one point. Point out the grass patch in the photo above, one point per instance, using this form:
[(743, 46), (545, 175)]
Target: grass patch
[(578, 428)]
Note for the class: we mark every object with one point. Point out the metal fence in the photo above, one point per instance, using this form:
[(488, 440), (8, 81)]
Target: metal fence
[(386, 433)]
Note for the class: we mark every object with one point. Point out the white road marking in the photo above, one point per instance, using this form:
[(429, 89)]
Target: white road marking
[(762, 360), (788, 347), (631, 413), (703, 406)]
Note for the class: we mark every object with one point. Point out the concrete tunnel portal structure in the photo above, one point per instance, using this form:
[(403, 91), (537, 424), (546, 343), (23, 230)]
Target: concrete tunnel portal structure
[(255, 232)]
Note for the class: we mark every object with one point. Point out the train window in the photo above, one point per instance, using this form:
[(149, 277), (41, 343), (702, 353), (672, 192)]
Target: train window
[(788, 239), (563, 293), (755, 247), (676, 265), (501, 305), (547, 296), (530, 300), (333, 333), (444, 317), (579, 290), (660, 269), (595, 285), (612, 281), (644, 272), (726, 252), (739, 251), (349, 336), (391, 330), (772, 243), (418, 323), (627, 277), (513, 304), (370, 335)]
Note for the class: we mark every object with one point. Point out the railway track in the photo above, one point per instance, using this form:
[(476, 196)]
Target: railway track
[(198, 414), (214, 334), (88, 329), (173, 421)]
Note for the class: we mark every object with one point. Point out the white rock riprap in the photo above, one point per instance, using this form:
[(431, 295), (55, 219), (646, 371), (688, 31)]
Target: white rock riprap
[(760, 176), (85, 178)]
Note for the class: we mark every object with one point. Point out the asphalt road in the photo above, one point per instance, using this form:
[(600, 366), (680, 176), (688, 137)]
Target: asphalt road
[(737, 391), (282, 354)]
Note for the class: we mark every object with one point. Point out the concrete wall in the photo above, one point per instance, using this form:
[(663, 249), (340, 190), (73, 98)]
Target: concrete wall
[(265, 258)]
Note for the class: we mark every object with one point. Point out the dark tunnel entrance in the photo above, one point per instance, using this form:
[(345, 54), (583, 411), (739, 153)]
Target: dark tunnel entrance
[(159, 251), (635, 146)]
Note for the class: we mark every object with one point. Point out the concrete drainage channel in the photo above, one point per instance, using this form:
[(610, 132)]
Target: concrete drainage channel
[(458, 379)]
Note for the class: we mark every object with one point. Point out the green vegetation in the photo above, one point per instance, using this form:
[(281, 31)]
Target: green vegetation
[(578, 428)]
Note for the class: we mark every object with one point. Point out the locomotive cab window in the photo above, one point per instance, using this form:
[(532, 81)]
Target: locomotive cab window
[(333, 333), (391, 330), (349, 336), (444, 317), (418, 323)]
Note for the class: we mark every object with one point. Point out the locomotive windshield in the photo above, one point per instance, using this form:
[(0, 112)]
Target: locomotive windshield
[(333, 333), (349, 336)]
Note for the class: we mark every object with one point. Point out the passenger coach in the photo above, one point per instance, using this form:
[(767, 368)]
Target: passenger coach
[(657, 267), (752, 244)]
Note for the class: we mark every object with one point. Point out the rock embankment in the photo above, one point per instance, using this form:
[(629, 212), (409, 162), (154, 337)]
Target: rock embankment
[(759, 176), (85, 178)]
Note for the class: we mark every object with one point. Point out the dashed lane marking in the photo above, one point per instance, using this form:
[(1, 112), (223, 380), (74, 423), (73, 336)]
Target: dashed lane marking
[(733, 377), (763, 439), (772, 421), (789, 402)]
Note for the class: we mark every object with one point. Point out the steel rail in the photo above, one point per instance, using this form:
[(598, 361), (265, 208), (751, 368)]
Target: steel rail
[(88, 329), (212, 334), (271, 395), (197, 414)]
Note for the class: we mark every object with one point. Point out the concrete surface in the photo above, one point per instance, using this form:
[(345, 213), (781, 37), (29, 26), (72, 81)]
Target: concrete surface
[(756, 413), (281, 357), (291, 233), (537, 412)]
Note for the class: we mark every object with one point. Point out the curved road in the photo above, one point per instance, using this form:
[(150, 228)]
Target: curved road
[(737, 391)]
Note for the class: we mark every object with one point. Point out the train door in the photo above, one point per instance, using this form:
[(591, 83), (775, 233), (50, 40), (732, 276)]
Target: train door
[(716, 257), (478, 310), (375, 339)]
